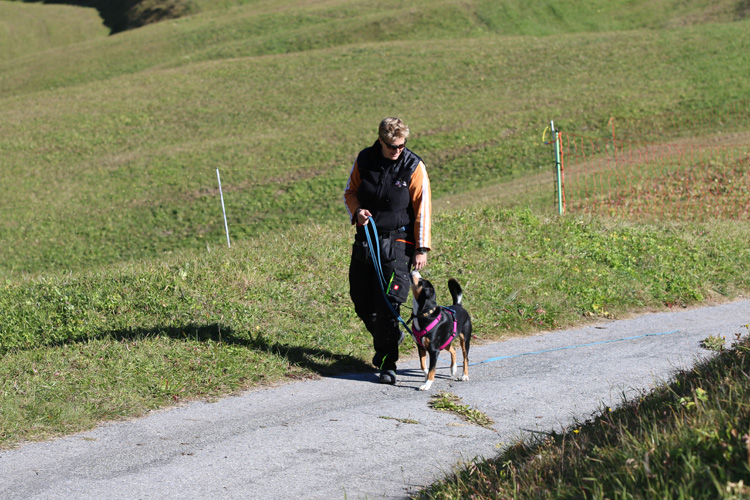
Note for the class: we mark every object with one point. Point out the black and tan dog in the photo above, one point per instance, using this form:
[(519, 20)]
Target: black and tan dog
[(435, 327)]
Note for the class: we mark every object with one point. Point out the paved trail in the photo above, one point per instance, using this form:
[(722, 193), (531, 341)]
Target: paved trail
[(350, 438)]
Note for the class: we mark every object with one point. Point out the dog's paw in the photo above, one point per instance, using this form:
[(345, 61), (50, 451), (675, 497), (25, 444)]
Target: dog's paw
[(425, 371), (426, 386), (453, 370), (462, 378)]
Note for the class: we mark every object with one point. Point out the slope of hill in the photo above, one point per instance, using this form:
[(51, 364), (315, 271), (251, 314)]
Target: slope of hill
[(268, 27), (110, 146), (35, 29)]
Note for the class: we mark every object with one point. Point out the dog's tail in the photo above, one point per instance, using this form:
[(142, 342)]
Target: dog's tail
[(456, 291)]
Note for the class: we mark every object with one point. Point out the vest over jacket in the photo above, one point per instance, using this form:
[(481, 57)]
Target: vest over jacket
[(396, 192)]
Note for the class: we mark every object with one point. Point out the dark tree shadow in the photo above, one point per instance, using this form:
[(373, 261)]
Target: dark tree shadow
[(120, 15), (320, 361), (743, 9)]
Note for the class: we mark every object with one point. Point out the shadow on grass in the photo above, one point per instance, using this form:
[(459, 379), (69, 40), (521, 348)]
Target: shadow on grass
[(314, 359)]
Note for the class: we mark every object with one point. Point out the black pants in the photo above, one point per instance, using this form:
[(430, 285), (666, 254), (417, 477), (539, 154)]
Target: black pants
[(367, 295)]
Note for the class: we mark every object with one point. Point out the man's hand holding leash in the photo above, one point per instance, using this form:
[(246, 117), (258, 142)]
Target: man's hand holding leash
[(363, 216)]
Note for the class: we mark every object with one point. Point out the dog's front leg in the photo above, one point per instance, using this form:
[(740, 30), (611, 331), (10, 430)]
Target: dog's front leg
[(465, 352), (430, 374), (422, 358), (454, 365)]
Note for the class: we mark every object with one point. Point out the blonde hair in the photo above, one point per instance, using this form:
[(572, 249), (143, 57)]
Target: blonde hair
[(392, 128)]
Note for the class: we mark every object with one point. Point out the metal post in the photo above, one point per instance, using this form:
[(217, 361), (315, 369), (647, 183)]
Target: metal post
[(558, 168), (226, 226)]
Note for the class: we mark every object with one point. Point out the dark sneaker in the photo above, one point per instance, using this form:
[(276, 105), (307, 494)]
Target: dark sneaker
[(388, 377)]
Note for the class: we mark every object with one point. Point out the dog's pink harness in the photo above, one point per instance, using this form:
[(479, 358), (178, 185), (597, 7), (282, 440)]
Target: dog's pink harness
[(419, 334)]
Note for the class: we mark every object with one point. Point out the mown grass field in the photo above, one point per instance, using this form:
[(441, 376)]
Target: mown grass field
[(117, 291), (109, 150), (29, 30)]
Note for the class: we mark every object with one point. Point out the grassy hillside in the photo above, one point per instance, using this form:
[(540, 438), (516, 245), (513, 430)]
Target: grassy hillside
[(276, 27), (121, 15), (27, 29), (110, 149)]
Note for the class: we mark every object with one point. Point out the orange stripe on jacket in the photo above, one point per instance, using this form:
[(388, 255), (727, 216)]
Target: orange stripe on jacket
[(421, 197), (350, 193)]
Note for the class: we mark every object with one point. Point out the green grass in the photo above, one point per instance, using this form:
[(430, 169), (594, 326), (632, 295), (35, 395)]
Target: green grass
[(124, 168), (445, 401), (28, 31), (79, 348), (117, 294)]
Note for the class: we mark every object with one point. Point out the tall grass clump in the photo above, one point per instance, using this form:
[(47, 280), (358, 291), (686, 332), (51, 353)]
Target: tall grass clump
[(686, 439)]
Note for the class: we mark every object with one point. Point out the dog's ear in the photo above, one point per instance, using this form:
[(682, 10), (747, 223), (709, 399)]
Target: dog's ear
[(427, 294), (425, 303), (416, 286)]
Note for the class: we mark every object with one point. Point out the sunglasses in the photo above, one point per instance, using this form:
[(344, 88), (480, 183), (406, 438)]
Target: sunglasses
[(395, 147)]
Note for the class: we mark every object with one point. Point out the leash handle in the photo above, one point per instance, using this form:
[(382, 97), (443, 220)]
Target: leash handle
[(375, 259)]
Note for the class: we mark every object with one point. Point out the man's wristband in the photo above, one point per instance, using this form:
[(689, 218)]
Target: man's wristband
[(421, 250)]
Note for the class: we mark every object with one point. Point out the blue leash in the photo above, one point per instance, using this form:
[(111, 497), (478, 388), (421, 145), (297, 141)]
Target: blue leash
[(379, 270)]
